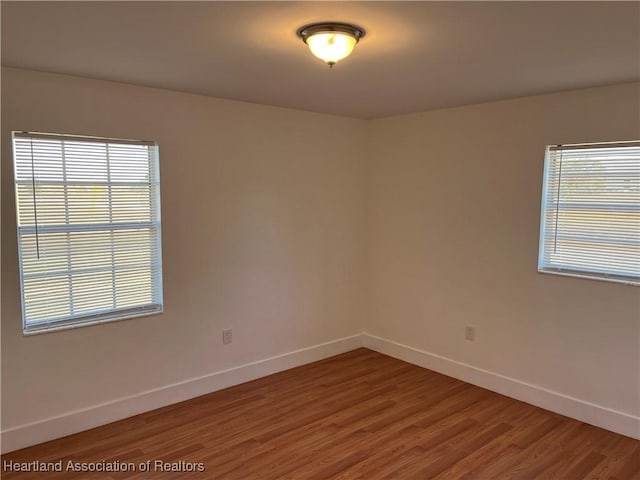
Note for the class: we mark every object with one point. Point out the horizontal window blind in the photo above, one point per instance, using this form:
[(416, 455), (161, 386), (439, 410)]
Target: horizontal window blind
[(88, 216), (590, 221)]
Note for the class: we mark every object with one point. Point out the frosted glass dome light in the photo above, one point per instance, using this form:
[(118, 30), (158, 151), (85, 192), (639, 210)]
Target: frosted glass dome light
[(331, 42)]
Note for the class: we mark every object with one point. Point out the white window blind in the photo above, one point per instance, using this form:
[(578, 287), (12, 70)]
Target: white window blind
[(88, 216), (590, 221)]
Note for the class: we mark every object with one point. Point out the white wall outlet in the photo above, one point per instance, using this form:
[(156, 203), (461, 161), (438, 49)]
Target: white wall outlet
[(226, 336), (470, 333)]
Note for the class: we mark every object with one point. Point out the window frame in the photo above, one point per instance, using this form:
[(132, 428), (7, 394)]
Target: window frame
[(593, 273), (115, 314)]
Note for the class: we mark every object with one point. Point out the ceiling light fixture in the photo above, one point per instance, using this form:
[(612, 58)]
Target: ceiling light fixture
[(331, 41)]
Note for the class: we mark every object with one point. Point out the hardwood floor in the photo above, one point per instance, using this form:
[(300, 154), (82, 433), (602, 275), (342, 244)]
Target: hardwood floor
[(360, 415)]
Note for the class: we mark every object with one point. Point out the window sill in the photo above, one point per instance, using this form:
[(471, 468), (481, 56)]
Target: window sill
[(587, 276), (87, 321)]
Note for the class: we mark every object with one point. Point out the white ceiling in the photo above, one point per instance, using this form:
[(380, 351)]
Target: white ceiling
[(416, 55)]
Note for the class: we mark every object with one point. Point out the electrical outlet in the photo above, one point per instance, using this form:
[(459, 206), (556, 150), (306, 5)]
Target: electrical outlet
[(470, 333), (226, 336)]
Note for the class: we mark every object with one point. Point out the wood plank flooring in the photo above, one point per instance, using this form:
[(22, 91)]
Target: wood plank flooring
[(360, 415)]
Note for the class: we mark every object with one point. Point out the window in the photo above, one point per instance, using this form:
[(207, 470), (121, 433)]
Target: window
[(88, 216), (590, 221)]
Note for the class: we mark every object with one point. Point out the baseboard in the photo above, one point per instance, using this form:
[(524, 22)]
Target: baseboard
[(556, 402), (96, 415)]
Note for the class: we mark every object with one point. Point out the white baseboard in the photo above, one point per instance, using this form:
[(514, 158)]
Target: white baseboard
[(96, 415), (599, 416)]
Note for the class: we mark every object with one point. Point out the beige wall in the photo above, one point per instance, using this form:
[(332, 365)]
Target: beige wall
[(276, 226), (453, 222), (262, 231)]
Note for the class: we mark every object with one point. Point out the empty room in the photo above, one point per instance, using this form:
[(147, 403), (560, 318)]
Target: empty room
[(320, 240)]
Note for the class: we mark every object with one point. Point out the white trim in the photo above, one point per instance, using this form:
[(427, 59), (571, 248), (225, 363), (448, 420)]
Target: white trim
[(96, 415), (85, 321), (597, 415), (630, 281), (81, 138)]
